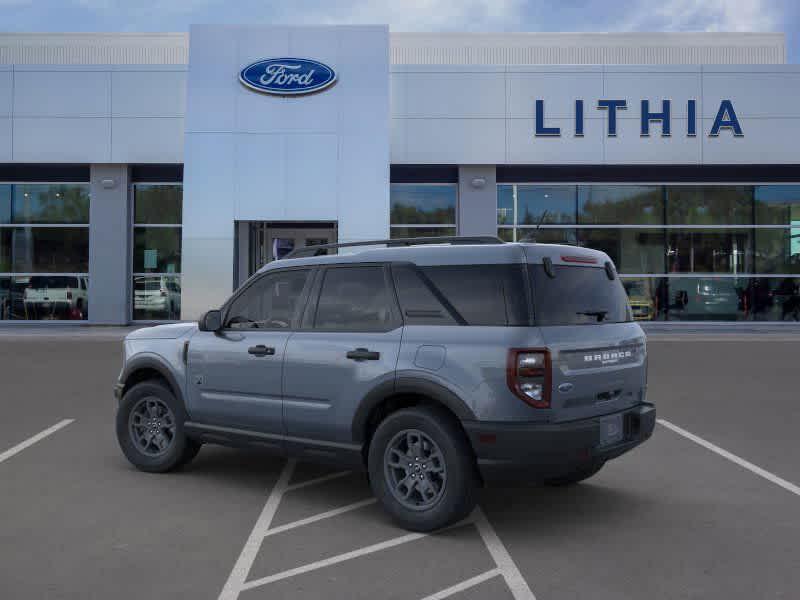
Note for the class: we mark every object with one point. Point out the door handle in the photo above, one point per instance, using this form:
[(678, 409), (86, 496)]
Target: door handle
[(363, 354), (261, 350)]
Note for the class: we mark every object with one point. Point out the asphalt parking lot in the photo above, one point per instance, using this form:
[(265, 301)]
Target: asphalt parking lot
[(708, 508)]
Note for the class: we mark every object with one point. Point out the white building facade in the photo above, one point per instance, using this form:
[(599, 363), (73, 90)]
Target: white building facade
[(142, 178)]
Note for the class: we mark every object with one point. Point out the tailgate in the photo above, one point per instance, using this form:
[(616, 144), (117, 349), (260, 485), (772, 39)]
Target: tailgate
[(597, 369)]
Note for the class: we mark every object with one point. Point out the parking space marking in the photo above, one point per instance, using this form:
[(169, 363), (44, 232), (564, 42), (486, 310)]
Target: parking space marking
[(771, 477), (33, 439), (235, 584), (464, 585), (508, 568), (323, 479), (326, 562), (237, 580), (320, 516)]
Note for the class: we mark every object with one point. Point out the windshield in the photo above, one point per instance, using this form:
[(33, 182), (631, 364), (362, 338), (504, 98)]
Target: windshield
[(578, 296)]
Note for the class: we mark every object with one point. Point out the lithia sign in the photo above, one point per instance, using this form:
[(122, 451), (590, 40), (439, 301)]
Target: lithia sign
[(725, 120)]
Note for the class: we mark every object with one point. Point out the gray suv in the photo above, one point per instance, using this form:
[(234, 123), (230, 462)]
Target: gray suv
[(436, 365)]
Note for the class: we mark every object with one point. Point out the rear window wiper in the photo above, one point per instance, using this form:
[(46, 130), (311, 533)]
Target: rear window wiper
[(599, 314)]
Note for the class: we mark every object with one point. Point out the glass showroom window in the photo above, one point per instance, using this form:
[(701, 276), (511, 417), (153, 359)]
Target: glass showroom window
[(157, 215), (44, 251), (423, 209), (685, 252)]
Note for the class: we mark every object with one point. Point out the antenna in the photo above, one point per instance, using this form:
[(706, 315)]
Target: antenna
[(532, 238)]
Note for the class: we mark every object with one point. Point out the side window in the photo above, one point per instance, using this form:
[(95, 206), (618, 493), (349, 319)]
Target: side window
[(491, 295), (354, 299), (269, 303), (418, 298)]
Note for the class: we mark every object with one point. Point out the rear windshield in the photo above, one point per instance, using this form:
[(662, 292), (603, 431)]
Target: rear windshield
[(56, 281), (578, 296)]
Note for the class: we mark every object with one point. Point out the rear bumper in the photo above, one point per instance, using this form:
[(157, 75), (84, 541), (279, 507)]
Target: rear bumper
[(530, 452)]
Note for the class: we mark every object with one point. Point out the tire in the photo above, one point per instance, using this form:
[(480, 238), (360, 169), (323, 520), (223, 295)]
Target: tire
[(440, 444), (575, 476), (153, 400)]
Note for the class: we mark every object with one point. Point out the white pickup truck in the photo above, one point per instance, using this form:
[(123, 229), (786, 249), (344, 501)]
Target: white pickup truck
[(56, 297)]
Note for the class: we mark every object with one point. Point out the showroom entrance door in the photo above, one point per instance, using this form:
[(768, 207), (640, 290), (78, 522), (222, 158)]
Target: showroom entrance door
[(272, 241)]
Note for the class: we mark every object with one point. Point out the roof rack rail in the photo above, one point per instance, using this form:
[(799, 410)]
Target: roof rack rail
[(322, 249)]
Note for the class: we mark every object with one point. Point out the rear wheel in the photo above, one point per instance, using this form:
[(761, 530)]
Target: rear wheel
[(421, 469), (576, 476), (150, 428)]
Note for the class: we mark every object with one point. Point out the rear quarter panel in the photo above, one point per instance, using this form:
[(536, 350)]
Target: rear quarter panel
[(473, 366)]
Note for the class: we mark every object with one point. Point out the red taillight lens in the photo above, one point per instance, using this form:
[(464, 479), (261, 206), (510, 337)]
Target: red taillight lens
[(528, 373)]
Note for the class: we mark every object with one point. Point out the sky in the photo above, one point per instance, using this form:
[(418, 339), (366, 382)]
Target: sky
[(413, 15)]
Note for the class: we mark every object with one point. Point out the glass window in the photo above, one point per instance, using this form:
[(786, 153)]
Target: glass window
[(156, 297), (775, 299), (708, 299), (44, 249), (157, 214), (431, 205), (647, 297), (621, 204), (505, 205), (631, 250), (354, 299), (158, 204), (157, 249), (420, 301), (709, 250), (44, 265), (709, 205), (482, 294), (44, 297), (534, 200), (778, 250), (5, 203), (578, 296), (777, 205), (45, 204), (271, 302)]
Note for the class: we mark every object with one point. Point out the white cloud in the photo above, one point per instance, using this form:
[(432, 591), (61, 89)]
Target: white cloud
[(704, 15)]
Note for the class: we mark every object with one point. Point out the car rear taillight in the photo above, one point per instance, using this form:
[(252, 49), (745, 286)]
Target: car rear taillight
[(163, 292), (69, 294), (528, 373)]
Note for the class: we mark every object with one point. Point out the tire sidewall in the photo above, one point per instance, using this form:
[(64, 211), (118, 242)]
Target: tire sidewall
[(154, 464), (459, 493)]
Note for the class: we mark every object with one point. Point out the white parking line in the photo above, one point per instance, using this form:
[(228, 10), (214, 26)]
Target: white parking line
[(235, 584), (771, 477), (33, 439), (508, 568), (320, 516), (323, 479), (333, 560), (237, 580), (464, 585)]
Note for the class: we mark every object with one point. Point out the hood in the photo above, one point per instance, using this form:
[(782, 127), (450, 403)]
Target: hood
[(162, 332)]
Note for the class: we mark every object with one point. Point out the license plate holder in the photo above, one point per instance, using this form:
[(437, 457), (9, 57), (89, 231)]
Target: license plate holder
[(612, 430)]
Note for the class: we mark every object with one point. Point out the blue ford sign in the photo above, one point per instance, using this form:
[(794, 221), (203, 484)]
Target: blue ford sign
[(287, 76)]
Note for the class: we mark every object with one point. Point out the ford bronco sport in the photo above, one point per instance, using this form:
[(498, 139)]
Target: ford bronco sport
[(437, 365)]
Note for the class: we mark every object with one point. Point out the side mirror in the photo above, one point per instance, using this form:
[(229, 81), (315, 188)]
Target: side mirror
[(211, 321)]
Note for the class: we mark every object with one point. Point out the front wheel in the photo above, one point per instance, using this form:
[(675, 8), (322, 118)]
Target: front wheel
[(422, 470), (150, 429)]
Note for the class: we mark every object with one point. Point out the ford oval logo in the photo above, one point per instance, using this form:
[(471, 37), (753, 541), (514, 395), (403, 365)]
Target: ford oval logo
[(287, 76)]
